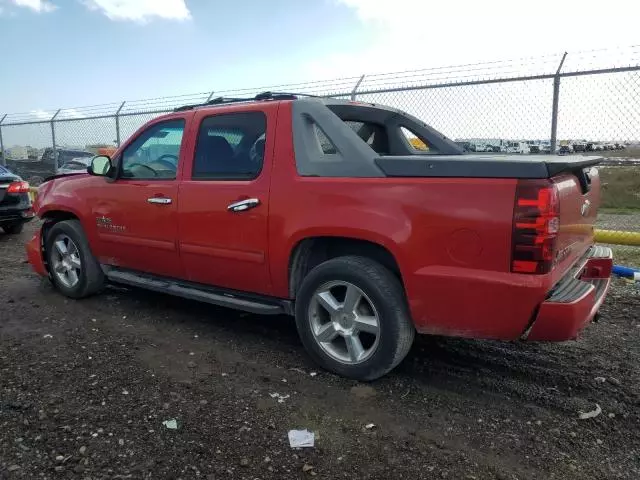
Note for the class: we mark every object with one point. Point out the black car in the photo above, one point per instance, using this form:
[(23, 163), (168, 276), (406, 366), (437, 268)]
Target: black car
[(15, 204)]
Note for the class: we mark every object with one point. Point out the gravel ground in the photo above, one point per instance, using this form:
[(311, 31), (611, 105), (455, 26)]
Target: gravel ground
[(626, 222), (86, 385)]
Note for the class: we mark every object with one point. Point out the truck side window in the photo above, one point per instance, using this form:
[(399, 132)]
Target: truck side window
[(154, 154), (230, 147), (414, 141), (325, 144)]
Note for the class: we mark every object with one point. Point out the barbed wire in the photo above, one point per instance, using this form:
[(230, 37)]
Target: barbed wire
[(425, 77)]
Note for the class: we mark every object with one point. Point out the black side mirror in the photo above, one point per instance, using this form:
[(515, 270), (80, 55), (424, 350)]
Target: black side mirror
[(100, 166)]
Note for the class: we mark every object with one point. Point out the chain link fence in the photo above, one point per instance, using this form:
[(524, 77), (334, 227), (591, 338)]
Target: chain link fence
[(583, 103)]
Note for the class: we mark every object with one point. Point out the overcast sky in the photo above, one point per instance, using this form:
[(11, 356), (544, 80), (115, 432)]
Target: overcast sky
[(82, 52)]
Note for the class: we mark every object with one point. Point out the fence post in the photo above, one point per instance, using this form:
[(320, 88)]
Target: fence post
[(554, 110), (3, 160), (53, 141), (355, 89), (118, 124)]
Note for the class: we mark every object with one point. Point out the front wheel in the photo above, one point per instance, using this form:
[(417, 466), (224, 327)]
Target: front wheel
[(352, 317), (74, 270)]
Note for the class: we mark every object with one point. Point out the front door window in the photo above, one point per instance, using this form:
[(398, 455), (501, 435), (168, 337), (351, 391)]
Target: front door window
[(154, 154)]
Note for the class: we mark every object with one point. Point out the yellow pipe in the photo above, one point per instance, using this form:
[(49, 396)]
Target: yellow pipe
[(618, 238), (33, 193)]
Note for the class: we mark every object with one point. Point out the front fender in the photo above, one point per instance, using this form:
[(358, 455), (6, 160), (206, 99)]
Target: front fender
[(65, 196)]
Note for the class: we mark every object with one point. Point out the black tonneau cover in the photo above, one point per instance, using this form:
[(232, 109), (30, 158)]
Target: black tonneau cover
[(483, 166)]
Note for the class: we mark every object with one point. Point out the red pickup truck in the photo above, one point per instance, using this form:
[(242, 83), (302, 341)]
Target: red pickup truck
[(359, 219)]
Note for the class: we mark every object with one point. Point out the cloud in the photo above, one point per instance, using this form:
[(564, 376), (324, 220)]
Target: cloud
[(40, 6), (41, 114), (412, 34), (140, 10), (69, 113)]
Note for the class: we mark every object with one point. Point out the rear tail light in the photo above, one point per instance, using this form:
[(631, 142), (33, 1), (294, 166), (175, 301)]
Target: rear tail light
[(18, 187), (535, 227)]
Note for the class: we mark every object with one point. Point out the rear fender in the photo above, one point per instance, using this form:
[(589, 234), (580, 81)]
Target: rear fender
[(395, 230)]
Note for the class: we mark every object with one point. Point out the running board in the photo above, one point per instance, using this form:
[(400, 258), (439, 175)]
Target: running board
[(202, 294)]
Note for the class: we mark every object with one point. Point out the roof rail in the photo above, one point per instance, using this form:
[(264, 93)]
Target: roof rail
[(260, 97)]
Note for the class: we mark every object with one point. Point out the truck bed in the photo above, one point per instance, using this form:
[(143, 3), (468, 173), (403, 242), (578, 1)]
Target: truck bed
[(482, 166)]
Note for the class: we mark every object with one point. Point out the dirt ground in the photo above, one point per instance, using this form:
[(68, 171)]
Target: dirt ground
[(85, 387)]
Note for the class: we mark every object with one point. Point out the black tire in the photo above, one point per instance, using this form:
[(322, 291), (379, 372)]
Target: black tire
[(386, 293), (13, 228), (91, 278)]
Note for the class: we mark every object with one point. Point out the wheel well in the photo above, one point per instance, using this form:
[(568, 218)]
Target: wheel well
[(56, 216), (311, 252), (51, 218)]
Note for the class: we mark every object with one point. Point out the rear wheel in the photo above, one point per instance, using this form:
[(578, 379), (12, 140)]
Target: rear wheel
[(353, 319), (74, 270), (13, 228)]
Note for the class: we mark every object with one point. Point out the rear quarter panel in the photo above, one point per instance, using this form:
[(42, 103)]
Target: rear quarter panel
[(451, 238)]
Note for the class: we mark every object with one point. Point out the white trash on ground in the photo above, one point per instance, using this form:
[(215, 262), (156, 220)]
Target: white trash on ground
[(171, 424), (591, 414), (301, 438), (281, 398)]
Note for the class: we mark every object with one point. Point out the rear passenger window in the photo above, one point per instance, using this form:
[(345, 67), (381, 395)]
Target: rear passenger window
[(230, 147)]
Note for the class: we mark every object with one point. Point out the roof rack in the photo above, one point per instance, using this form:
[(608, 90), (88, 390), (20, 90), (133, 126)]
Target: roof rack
[(260, 97)]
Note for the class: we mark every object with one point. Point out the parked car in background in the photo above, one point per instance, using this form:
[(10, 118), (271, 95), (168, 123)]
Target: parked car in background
[(479, 147), (517, 147), (15, 204), (322, 209), (75, 165), (466, 146), (580, 146), (62, 156), (565, 148), (545, 147)]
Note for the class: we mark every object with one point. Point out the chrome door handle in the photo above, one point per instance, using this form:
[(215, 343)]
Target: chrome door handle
[(159, 200), (243, 205)]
